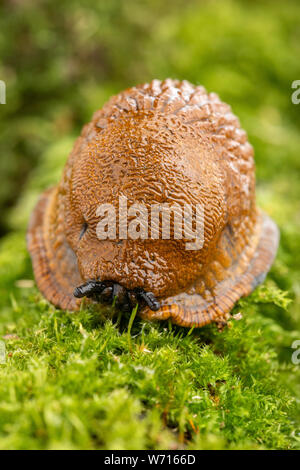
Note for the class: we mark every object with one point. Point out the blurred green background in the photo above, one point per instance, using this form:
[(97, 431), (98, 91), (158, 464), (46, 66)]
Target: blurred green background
[(61, 60)]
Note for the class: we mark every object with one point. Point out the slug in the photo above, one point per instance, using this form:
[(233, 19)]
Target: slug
[(163, 145)]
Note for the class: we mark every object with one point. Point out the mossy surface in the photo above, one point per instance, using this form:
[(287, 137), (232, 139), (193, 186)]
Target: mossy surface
[(85, 381)]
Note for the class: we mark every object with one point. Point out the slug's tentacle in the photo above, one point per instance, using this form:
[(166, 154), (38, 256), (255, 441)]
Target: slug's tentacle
[(89, 289), (149, 298)]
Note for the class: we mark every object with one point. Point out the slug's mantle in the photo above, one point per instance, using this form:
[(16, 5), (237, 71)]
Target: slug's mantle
[(162, 142)]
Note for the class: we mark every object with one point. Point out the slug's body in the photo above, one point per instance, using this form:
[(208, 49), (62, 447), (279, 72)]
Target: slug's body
[(163, 142)]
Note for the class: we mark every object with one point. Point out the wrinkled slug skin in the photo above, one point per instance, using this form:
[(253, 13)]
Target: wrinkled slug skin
[(162, 142)]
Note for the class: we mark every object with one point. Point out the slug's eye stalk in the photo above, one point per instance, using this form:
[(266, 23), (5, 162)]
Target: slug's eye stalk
[(148, 297), (89, 289)]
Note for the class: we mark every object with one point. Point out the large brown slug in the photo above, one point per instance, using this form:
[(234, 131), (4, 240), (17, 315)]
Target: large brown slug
[(163, 142)]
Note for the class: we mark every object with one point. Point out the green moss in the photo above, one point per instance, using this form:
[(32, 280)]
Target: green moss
[(82, 381)]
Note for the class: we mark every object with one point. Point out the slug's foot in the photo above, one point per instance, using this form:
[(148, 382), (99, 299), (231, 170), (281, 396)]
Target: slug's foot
[(114, 293)]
